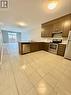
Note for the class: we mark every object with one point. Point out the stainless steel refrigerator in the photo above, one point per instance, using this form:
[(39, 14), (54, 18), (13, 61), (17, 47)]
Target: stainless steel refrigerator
[(68, 47)]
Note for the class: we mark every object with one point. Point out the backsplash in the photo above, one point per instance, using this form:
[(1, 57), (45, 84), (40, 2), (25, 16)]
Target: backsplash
[(64, 40)]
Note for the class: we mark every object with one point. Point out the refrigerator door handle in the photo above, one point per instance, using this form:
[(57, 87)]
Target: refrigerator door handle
[(68, 42)]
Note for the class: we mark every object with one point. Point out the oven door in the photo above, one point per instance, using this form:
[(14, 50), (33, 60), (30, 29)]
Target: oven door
[(53, 48)]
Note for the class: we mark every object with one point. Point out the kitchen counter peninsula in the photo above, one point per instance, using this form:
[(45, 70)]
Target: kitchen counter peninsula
[(28, 47)]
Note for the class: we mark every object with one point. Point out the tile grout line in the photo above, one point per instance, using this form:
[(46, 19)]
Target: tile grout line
[(14, 80), (14, 77)]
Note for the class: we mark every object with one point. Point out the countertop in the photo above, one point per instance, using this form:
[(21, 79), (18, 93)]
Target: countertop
[(41, 41), (28, 42), (63, 42)]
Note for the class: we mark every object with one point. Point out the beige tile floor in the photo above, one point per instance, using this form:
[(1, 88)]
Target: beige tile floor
[(38, 73)]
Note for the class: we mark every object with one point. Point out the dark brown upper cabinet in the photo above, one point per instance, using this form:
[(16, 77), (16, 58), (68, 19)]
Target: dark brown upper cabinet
[(47, 31), (57, 26), (66, 25), (62, 24)]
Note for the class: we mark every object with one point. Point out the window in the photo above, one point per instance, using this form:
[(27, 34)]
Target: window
[(12, 37)]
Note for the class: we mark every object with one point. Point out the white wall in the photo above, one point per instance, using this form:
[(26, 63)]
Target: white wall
[(33, 34), (25, 36)]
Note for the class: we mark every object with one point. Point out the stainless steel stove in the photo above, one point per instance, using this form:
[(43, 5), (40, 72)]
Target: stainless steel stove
[(53, 46)]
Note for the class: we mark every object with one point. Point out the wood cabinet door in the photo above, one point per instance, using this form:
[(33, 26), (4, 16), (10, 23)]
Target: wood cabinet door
[(44, 33), (49, 30), (61, 49), (34, 47), (46, 46), (66, 26), (57, 27)]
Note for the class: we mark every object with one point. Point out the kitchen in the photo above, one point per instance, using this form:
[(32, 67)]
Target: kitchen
[(57, 31)]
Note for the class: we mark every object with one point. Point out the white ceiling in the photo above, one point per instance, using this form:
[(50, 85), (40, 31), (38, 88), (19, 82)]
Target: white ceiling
[(32, 12)]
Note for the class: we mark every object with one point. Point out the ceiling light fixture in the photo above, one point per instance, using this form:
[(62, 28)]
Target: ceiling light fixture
[(52, 4), (22, 24)]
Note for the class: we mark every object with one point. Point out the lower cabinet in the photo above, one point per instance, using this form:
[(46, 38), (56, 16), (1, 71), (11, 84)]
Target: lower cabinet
[(30, 47), (61, 49), (24, 48), (46, 46), (35, 46), (39, 46)]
